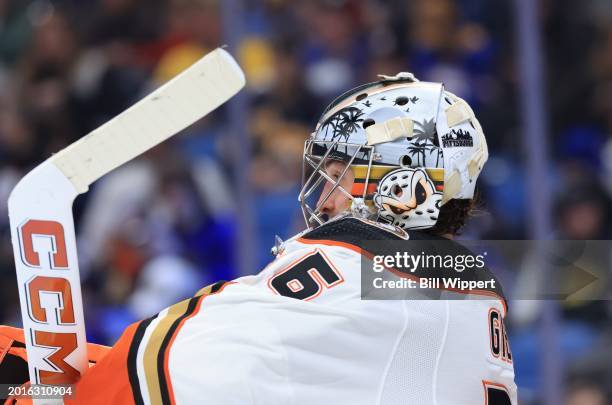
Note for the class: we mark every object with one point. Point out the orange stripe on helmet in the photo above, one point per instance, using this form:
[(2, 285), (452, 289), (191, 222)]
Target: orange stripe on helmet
[(357, 190)]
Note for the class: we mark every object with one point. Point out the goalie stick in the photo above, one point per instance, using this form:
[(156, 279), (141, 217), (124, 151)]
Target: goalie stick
[(40, 210)]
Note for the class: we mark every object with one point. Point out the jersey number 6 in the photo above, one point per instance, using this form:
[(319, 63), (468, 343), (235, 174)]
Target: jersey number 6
[(305, 278)]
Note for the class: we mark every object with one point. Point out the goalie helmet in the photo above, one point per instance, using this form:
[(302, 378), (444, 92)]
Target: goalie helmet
[(412, 146)]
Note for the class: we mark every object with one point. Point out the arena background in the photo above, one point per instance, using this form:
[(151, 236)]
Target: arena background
[(206, 205)]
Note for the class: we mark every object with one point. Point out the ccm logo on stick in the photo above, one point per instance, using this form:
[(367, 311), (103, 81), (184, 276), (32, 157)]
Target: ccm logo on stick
[(54, 231), (49, 299)]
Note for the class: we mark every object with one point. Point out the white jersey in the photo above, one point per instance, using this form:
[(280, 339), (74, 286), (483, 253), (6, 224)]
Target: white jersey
[(299, 333)]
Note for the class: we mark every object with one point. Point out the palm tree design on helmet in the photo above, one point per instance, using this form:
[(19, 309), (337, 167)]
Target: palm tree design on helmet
[(439, 156), (424, 140), (343, 123), (418, 149), (425, 130)]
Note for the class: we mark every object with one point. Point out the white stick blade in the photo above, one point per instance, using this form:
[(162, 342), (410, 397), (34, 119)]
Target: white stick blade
[(186, 98)]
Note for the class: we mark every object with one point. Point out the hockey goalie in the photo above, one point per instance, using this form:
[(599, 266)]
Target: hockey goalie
[(391, 161)]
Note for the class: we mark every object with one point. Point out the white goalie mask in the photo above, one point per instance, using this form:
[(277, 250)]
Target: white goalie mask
[(411, 146)]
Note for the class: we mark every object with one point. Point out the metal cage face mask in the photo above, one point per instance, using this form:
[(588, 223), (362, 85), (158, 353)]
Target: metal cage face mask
[(409, 198), (314, 193)]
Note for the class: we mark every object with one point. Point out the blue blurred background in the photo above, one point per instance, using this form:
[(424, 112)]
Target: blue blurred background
[(206, 205)]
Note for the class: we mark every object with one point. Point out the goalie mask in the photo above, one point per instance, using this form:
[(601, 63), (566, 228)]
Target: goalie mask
[(411, 146)]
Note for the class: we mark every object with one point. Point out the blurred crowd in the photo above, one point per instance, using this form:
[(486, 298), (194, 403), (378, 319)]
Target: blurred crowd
[(157, 229)]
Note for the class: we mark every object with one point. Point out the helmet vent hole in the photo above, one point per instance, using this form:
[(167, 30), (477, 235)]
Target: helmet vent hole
[(368, 122), (405, 161), (401, 100), (361, 96), (397, 191)]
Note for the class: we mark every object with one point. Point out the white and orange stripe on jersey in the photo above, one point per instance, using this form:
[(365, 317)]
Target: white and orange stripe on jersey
[(299, 333)]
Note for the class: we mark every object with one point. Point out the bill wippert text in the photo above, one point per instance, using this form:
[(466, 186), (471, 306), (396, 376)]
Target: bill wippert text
[(447, 283)]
